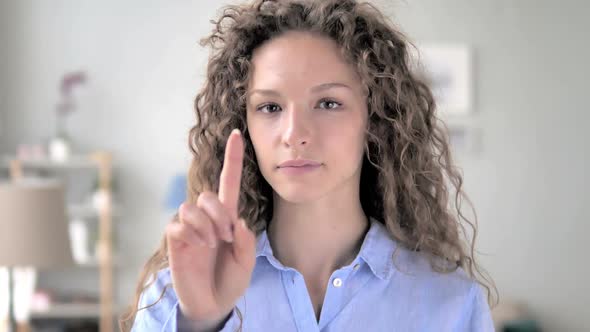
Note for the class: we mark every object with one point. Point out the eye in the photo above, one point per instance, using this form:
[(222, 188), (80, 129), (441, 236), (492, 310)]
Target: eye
[(268, 108), (329, 104)]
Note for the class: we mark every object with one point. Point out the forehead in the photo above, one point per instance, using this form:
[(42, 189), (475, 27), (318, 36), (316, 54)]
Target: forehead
[(300, 58)]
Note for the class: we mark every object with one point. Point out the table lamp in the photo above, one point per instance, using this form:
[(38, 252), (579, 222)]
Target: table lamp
[(33, 235)]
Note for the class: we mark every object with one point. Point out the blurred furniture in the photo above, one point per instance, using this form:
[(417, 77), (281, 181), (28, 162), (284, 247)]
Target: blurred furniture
[(512, 316), (34, 235), (102, 209)]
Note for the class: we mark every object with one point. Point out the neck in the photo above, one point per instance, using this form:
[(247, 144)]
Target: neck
[(318, 237)]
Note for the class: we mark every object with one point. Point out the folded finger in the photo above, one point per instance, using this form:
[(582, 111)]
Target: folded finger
[(199, 220), (217, 212)]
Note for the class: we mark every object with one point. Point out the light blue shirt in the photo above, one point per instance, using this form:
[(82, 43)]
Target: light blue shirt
[(378, 291)]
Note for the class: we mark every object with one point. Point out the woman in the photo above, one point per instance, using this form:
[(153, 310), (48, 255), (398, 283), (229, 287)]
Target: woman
[(318, 193)]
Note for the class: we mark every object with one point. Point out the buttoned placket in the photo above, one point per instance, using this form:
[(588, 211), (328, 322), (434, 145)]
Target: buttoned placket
[(334, 298), (299, 300), (337, 289)]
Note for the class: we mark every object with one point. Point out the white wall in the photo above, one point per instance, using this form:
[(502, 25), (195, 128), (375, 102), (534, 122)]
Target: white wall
[(529, 182)]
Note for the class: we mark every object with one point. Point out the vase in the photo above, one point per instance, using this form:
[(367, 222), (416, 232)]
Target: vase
[(79, 241), (59, 149)]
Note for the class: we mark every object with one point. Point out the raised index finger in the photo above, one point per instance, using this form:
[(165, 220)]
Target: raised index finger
[(231, 173)]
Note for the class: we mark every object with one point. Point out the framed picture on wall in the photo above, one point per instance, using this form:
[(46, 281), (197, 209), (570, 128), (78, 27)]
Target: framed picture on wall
[(447, 68)]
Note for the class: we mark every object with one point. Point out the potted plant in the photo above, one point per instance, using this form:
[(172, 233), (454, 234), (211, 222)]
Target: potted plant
[(60, 145)]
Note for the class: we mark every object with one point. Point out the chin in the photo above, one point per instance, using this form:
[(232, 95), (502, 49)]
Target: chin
[(297, 194)]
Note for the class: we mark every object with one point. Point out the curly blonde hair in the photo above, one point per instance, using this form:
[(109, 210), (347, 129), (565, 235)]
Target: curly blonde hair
[(407, 173)]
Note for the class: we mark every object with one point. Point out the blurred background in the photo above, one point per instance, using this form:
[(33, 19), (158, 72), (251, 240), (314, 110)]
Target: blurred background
[(95, 90)]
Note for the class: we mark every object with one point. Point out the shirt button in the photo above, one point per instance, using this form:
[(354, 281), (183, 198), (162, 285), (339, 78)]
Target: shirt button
[(356, 267), (337, 282)]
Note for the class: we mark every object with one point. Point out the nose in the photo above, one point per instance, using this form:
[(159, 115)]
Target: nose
[(296, 127)]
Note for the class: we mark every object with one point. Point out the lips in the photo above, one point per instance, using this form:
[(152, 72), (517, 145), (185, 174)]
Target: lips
[(299, 163)]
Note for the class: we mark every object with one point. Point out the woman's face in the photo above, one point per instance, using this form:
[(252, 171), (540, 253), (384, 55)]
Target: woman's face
[(305, 102)]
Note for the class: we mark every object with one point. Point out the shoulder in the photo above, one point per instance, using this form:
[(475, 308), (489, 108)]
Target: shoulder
[(423, 279), (404, 266), (432, 280), (441, 293), (432, 271)]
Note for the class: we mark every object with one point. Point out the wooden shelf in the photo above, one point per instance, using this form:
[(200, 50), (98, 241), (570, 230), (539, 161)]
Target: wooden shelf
[(71, 310), (73, 162), (100, 161), (94, 263), (89, 211)]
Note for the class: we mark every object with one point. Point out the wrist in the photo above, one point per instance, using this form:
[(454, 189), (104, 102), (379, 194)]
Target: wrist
[(185, 323)]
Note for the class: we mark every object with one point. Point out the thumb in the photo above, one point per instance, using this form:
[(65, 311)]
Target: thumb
[(244, 245)]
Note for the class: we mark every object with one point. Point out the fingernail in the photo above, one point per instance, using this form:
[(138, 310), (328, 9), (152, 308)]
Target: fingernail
[(243, 224), (236, 131)]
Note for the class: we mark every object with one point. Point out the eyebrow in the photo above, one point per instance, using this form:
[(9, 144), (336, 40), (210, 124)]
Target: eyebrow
[(315, 89)]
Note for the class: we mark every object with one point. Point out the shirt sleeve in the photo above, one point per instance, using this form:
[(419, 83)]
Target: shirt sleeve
[(158, 316), (480, 318), (164, 315)]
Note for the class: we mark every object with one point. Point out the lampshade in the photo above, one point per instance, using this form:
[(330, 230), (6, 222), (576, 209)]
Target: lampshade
[(33, 224)]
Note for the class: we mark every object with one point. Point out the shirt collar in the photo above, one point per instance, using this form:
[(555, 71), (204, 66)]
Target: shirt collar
[(377, 249)]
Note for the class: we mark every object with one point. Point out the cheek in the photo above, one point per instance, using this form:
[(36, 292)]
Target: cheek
[(261, 143), (348, 133), (344, 144)]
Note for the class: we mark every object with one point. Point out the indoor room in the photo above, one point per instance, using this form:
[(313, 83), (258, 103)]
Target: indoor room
[(101, 144)]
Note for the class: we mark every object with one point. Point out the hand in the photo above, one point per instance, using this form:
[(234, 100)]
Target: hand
[(211, 251)]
